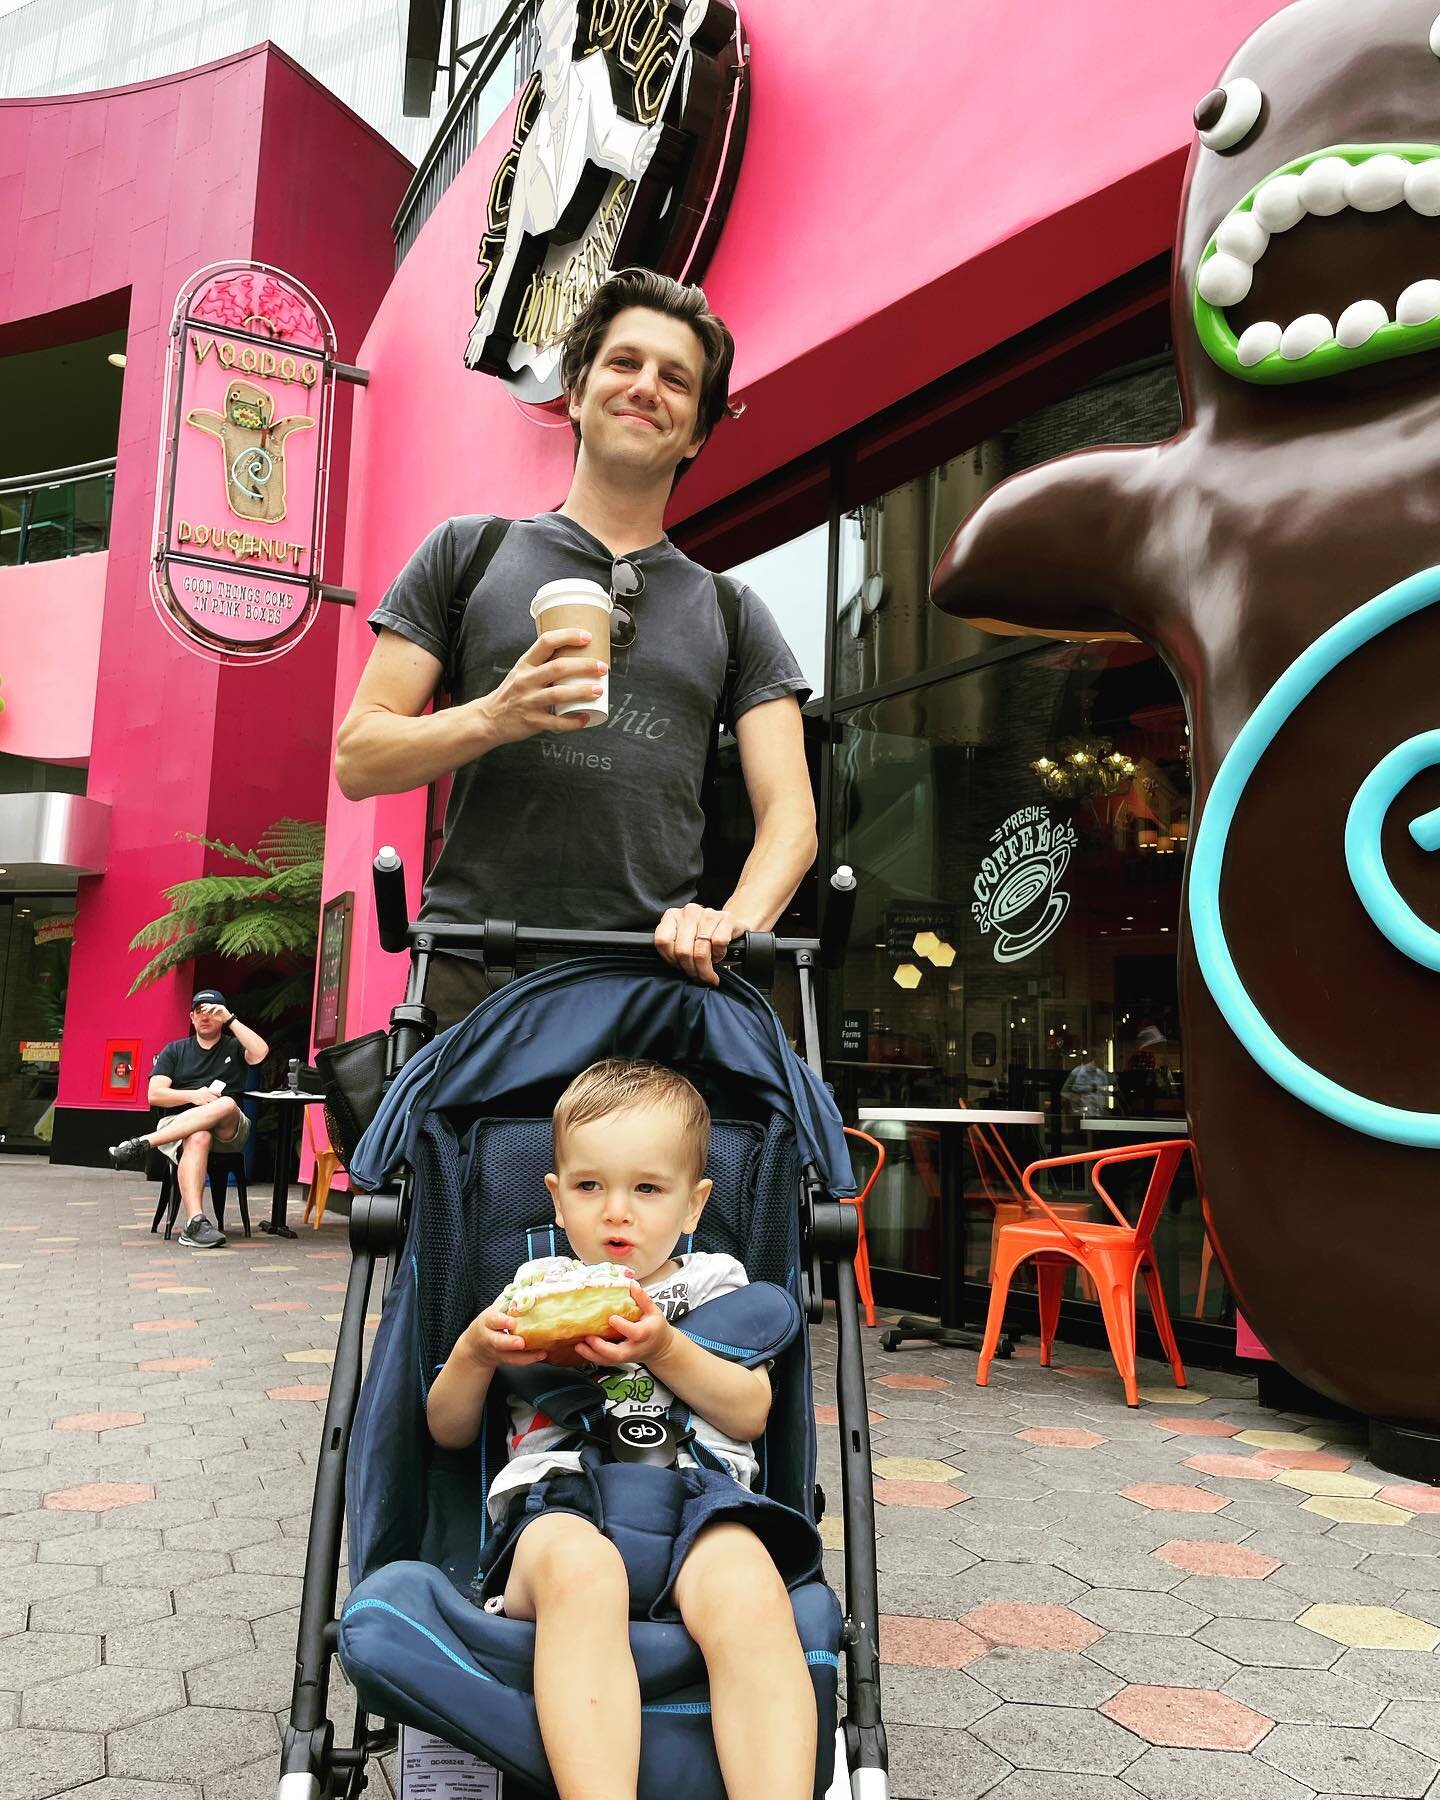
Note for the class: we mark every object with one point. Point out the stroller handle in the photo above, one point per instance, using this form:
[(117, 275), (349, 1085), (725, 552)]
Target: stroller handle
[(398, 933)]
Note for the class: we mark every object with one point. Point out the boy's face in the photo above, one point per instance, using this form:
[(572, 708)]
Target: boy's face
[(626, 1190), (639, 405)]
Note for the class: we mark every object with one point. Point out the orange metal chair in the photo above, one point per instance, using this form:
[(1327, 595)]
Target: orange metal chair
[(1111, 1255), (327, 1161), (862, 1249)]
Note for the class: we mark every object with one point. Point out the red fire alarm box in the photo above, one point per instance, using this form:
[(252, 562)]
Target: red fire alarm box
[(122, 1069)]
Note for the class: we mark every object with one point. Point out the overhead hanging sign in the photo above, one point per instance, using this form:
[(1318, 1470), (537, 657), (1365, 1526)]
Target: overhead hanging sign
[(626, 144), (244, 463)]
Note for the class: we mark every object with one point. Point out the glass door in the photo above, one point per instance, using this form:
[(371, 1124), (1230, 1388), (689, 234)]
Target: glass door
[(36, 931)]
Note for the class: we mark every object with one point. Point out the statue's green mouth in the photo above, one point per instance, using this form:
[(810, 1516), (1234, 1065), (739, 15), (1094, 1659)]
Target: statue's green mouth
[(1362, 177)]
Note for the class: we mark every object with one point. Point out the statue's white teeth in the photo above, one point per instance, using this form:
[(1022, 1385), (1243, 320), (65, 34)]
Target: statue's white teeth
[(1279, 205), (1419, 304), (1359, 322), (1258, 341), (1303, 335), (1422, 189), (1325, 186), (1243, 237), (1378, 183), (1225, 280)]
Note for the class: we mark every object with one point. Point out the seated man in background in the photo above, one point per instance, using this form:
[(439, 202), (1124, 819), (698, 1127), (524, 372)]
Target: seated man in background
[(205, 1073)]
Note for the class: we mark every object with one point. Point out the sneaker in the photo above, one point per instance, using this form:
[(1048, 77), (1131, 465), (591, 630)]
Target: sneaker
[(131, 1153), (200, 1234)]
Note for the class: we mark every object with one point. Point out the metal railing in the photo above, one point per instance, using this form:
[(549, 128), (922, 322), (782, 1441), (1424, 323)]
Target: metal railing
[(61, 512), (504, 60)]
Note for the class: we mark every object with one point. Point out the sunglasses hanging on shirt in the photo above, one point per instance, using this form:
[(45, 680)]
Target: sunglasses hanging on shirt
[(627, 583)]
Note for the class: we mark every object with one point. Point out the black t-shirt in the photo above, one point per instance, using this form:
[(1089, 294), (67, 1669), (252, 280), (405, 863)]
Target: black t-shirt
[(601, 827), (190, 1067)]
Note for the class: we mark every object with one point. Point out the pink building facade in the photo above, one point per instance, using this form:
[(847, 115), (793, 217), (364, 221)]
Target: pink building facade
[(108, 202)]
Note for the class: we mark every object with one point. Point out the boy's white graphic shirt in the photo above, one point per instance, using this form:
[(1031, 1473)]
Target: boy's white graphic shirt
[(630, 1390)]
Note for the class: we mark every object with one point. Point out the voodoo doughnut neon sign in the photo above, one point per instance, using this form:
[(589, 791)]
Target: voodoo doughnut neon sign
[(244, 463)]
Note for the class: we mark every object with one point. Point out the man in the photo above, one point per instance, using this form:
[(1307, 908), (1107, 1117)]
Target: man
[(204, 1073), (544, 826)]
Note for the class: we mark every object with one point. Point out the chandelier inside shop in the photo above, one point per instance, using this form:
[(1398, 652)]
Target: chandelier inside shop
[(1083, 768)]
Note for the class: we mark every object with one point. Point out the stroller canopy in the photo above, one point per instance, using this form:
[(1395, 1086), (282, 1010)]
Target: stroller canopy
[(543, 1028)]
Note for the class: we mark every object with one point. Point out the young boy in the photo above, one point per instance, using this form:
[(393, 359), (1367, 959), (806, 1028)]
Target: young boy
[(631, 1141)]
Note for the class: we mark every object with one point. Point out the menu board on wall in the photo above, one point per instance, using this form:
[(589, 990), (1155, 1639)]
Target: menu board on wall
[(334, 969)]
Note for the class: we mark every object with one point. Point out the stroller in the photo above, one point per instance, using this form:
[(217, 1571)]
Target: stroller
[(466, 1117)]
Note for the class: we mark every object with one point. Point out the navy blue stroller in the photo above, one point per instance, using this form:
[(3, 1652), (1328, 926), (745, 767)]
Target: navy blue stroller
[(465, 1124)]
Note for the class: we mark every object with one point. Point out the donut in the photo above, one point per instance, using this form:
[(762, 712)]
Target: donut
[(557, 1300)]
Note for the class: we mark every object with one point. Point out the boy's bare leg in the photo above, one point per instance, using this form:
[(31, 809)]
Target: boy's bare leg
[(571, 1582), (735, 1606)]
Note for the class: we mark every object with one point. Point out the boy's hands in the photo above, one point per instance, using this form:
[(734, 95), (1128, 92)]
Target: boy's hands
[(643, 1340), (492, 1341)]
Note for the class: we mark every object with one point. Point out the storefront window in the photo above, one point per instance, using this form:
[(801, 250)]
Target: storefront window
[(35, 938), (1019, 834), (790, 579)]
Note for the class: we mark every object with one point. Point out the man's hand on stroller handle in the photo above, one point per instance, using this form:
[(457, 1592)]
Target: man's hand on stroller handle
[(551, 673), (695, 938)]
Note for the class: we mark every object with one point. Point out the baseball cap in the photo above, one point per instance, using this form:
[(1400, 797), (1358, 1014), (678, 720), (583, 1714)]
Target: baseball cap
[(206, 997)]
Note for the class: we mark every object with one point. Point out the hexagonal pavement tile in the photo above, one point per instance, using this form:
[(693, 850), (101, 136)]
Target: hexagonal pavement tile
[(1344, 1511), (202, 1740), (1230, 1468), (1162, 1661), (1117, 1569), (1306, 1696), (99, 1547), (1413, 1499), (1415, 1723), (1279, 1440), (928, 1643), (238, 1596), (112, 1788), (102, 1609), (172, 1570), (1232, 1597), (1204, 1558), (1163, 1774), (1269, 1644), (35, 1656), (1172, 1497), (179, 1643), (1124, 1609), (1343, 1760), (1370, 1627), (1325, 1481), (41, 1581), (1042, 1677), (1026, 1626), (258, 1681), (915, 1556), (1043, 1784), (102, 1699), (1397, 1674), (914, 1468), (1063, 1738), (932, 1495), (1061, 1437), (1187, 1718), (36, 1763), (920, 1696), (98, 1496), (927, 1763)]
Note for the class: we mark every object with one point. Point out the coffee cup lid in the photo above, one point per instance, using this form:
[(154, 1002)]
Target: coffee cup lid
[(575, 589)]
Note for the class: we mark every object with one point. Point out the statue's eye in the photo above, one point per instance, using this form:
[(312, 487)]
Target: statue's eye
[(1227, 115)]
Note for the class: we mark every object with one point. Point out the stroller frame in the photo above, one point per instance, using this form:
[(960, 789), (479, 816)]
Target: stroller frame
[(312, 1765)]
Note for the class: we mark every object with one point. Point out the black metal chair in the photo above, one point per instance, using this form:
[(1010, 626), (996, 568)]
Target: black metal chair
[(220, 1166)]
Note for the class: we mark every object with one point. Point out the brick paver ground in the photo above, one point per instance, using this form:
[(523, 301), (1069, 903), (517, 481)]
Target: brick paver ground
[(1198, 1600)]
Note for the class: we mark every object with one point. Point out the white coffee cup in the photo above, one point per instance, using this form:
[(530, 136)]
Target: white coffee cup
[(575, 604)]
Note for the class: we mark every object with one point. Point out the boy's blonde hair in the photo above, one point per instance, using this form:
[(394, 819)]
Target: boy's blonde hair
[(620, 1085)]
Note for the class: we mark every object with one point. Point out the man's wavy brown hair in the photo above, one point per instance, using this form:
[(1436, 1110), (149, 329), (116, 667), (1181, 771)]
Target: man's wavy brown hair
[(662, 294)]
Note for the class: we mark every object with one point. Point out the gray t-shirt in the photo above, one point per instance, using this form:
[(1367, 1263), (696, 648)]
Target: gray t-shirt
[(601, 827)]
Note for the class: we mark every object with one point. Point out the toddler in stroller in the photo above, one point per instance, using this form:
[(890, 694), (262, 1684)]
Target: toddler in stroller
[(631, 1142), (468, 1116)]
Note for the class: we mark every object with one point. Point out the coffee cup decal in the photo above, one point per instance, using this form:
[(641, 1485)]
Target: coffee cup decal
[(1017, 891)]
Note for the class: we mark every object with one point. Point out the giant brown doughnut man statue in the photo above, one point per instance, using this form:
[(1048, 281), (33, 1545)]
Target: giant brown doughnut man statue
[(1280, 554)]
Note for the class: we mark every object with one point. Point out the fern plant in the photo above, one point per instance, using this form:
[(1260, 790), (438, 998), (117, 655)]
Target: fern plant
[(270, 914)]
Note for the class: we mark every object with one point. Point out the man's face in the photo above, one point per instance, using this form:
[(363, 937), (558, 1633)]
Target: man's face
[(206, 1020), (556, 23), (639, 402)]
